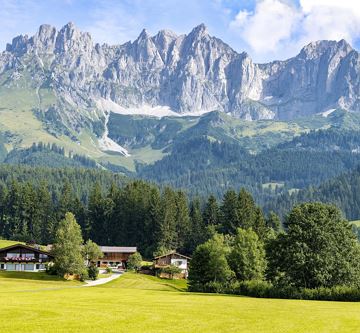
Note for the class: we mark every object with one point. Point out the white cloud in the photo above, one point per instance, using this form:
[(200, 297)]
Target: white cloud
[(330, 20), (271, 23), (279, 28)]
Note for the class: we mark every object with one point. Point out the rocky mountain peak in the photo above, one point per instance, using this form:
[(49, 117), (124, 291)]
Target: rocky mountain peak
[(44, 40), (200, 30), (318, 48), (70, 38), (144, 35), (18, 45), (186, 73)]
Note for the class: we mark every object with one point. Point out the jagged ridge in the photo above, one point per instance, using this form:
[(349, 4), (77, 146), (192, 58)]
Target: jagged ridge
[(187, 73)]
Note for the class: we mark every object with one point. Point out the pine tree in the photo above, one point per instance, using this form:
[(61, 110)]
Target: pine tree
[(46, 215), (246, 210), (183, 226), (230, 213), (168, 222), (211, 212), (273, 222), (154, 222), (198, 233), (96, 215)]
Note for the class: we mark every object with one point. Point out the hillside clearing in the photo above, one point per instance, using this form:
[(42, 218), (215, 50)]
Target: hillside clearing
[(137, 303)]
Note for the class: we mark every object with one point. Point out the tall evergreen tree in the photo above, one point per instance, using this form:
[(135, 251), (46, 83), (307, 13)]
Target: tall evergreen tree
[(198, 233), (211, 212), (230, 213), (168, 222), (246, 210), (273, 221), (183, 223)]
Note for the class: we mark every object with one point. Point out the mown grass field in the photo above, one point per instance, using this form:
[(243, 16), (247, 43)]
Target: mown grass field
[(137, 303)]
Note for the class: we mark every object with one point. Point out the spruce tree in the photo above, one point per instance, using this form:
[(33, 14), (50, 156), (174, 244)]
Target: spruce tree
[(168, 222), (230, 212), (273, 221), (211, 212), (183, 224), (198, 234)]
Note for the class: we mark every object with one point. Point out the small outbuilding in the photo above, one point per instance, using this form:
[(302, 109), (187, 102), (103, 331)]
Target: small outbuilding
[(173, 258)]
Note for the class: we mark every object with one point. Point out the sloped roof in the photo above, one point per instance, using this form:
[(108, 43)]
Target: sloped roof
[(170, 253), (27, 247), (118, 249)]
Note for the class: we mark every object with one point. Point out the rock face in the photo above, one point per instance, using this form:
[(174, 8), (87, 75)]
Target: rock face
[(188, 73)]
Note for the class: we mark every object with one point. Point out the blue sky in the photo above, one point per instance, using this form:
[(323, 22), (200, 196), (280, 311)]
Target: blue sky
[(266, 29)]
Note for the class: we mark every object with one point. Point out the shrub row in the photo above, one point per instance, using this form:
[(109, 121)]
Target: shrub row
[(263, 289)]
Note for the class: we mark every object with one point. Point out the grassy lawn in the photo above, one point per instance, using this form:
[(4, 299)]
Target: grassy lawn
[(27, 281), (137, 303), (6, 243)]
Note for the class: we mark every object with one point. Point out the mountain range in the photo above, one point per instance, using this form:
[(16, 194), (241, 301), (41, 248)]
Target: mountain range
[(191, 74), (140, 106)]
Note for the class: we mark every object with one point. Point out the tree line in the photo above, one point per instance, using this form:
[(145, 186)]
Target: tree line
[(316, 256), (135, 213)]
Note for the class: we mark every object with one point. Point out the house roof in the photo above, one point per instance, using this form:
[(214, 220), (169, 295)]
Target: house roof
[(170, 253), (118, 249), (27, 247)]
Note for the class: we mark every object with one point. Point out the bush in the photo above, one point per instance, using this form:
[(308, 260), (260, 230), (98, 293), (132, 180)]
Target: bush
[(170, 270), (51, 269), (93, 272), (263, 289), (108, 270), (134, 261)]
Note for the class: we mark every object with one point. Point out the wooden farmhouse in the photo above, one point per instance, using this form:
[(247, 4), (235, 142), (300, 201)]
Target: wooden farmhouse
[(115, 256), (20, 257), (173, 258)]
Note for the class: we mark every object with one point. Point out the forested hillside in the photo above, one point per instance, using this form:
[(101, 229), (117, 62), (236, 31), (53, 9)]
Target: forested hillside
[(202, 166), (48, 155), (343, 191)]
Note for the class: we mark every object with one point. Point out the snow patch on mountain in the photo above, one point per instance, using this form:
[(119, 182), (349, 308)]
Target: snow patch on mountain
[(146, 110), (327, 112), (107, 144)]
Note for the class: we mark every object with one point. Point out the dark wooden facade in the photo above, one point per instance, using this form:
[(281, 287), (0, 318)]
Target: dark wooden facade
[(115, 256), (172, 258)]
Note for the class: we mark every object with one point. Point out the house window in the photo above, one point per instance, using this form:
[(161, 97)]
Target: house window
[(13, 254), (10, 267), (177, 263), (43, 256), (29, 255), (2, 266), (29, 267)]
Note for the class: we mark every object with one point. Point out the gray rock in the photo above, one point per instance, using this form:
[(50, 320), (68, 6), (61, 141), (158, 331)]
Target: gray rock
[(188, 73)]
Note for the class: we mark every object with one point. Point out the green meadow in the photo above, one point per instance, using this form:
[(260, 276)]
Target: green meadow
[(138, 303)]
